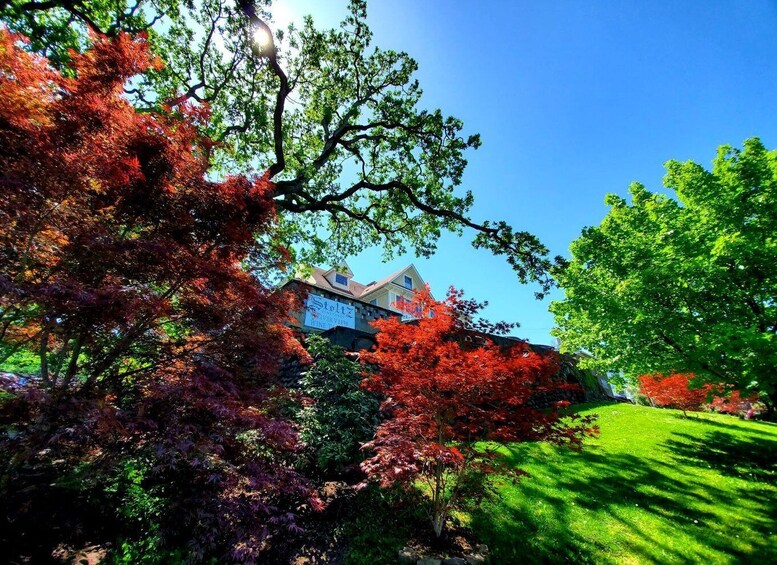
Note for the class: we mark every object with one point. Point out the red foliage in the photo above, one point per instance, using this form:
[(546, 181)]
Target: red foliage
[(734, 403), (447, 387), (121, 264), (109, 227), (219, 460), (674, 391)]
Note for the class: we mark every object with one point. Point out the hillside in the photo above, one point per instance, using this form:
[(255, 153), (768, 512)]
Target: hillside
[(655, 487)]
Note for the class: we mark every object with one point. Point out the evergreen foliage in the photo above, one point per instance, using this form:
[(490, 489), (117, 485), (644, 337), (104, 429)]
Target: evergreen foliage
[(340, 416)]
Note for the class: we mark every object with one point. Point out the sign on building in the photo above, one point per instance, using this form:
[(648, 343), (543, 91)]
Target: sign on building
[(322, 313)]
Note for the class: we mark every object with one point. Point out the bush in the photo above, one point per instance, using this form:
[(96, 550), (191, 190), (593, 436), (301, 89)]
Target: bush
[(674, 391), (735, 404), (340, 416), (199, 467)]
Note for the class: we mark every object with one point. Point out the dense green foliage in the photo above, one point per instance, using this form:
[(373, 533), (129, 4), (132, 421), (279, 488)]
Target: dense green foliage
[(380, 524), (682, 284), (21, 361), (357, 159), (341, 417)]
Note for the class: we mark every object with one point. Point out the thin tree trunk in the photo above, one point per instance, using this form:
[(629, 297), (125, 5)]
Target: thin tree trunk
[(72, 366), (771, 406), (43, 352), (438, 508)]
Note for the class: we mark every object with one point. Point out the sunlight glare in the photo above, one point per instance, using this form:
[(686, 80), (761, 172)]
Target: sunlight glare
[(262, 38)]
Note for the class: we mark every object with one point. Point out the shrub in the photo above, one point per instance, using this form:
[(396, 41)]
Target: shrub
[(674, 391), (339, 416), (734, 403), (200, 463)]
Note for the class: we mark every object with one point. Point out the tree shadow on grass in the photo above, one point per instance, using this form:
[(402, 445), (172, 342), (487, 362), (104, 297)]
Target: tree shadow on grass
[(645, 499), (751, 459), (754, 428)]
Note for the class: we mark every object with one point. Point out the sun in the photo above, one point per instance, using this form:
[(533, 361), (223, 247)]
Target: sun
[(262, 37)]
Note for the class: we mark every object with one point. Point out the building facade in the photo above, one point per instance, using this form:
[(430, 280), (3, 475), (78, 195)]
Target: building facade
[(335, 300), (342, 310)]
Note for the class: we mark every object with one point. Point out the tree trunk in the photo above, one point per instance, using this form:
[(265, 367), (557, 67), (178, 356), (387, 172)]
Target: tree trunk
[(438, 506), (438, 523)]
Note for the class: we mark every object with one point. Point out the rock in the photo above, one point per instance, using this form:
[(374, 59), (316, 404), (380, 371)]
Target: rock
[(454, 561), (407, 555), (483, 548), (476, 559)]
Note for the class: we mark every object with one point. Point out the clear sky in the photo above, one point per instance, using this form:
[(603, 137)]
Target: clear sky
[(573, 100)]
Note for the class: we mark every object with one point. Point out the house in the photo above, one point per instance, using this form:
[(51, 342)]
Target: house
[(341, 309), (335, 300)]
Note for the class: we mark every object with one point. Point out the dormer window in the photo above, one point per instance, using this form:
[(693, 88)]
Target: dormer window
[(408, 282), (341, 279)]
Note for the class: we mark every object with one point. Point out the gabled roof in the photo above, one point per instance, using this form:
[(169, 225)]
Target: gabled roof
[(373, 286), (318, 278), (376, 286), (342, 268)]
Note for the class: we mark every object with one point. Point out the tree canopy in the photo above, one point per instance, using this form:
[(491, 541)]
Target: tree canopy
[(113, 242), (684, 282), (336, 122)]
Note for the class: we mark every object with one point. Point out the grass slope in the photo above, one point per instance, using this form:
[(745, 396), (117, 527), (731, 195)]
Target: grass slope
[(655, 487)]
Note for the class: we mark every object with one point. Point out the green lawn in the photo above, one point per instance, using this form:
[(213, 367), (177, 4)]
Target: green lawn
[(654, 488)]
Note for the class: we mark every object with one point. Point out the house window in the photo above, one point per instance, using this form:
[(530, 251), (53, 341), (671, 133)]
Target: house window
[(341, 279), (400, 301), (408, 282), (374, 301)]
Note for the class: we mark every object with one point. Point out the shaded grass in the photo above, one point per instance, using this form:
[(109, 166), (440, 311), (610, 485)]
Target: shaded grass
[(655, 487)]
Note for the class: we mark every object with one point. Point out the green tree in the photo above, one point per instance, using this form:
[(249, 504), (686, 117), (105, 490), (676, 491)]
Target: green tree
[(336, 122), (682, 282)]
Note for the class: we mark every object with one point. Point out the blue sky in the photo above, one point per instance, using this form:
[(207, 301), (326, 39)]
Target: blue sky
[(573, 100)]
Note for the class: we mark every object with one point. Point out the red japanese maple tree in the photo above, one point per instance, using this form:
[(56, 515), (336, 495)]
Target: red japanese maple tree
[(122, 268), (447, 387), (674, 391), (112, 237)]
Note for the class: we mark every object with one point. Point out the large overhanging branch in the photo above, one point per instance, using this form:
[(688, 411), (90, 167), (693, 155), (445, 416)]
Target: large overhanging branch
[(79, 10), (269, 52), (524, 252), (338, 138)]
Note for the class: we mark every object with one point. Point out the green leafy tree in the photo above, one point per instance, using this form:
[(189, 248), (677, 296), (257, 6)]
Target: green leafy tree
[(341, 416), (682, 282), (336, 122)]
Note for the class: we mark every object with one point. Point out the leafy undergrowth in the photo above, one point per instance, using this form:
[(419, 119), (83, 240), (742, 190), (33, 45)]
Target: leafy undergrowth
[(381, 523), (654, 487)]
